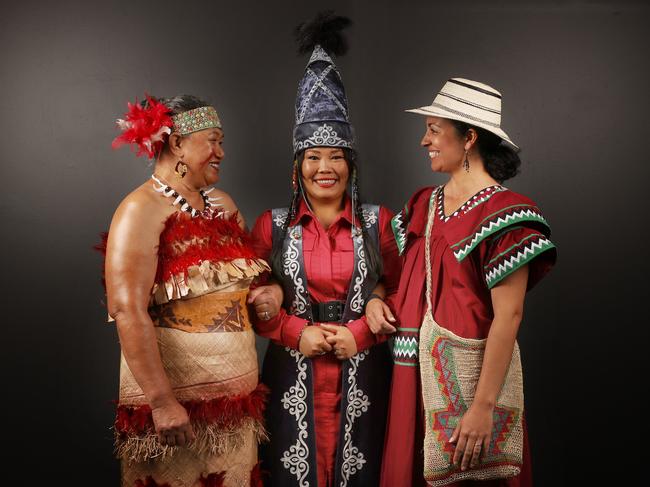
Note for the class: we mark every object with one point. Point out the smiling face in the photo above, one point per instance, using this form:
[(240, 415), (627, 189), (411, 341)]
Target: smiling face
[(325, 174), (444, 145), (202, 153)]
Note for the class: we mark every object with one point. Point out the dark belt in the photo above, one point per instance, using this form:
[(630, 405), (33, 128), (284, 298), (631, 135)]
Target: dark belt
[(330, 311)]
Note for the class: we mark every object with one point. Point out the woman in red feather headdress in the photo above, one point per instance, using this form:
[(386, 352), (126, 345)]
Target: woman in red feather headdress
[(178, 269)]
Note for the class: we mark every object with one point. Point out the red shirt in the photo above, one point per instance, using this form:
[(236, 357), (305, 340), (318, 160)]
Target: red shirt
[(329, 259)]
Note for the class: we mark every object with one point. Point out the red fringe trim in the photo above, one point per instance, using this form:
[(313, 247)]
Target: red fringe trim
[(256, 475), (222, 239), (149, 482), (213, 480), (222, 411)]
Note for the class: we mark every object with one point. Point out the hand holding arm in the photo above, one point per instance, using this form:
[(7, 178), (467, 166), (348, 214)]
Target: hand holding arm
[(267, 300), (379, 317)]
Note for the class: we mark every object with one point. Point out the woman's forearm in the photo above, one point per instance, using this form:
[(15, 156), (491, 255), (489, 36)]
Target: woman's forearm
[(496, 360), (140, 348)]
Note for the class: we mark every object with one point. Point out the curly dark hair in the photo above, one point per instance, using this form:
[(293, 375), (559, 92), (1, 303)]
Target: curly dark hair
[(501, 161)]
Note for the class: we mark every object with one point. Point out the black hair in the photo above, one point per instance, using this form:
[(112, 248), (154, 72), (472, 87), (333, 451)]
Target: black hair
[(501, 161), (374, 261)]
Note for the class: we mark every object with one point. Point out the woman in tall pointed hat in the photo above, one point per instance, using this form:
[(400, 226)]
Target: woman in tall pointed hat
[(472, 249), (179, 264), (328, 373)]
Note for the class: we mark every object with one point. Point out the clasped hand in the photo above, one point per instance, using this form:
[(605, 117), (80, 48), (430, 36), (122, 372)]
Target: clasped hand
[(319, 340)]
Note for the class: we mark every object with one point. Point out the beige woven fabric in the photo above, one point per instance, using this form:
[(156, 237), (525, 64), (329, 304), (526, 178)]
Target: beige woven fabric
[(199, 365), (463, 358), (186, 467)]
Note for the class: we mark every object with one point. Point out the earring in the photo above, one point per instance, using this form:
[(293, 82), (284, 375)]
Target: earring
[(180, 169), (466, 163), (294, 177)]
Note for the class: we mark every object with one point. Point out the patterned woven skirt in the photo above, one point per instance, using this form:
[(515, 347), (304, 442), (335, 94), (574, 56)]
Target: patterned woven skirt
[(208, 350)]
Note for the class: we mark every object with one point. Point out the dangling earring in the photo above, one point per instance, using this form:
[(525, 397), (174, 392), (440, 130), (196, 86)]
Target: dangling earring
[(180, 169), (466, 163), (294, 177)]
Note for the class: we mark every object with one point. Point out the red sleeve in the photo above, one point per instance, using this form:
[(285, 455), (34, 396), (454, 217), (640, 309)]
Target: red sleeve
[(390, 256), (392, 264), (363, 337), (262, 235), (284, 329), (513, 248)]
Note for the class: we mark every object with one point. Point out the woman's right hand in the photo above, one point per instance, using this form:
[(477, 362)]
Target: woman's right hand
[(172, 424), (313, 341), (379, 317)]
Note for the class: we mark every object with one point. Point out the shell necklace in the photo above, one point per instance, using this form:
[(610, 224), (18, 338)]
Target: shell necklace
[(210, 204)]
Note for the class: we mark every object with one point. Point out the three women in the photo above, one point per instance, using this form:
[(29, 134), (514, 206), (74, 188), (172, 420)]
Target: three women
[(471, 250)]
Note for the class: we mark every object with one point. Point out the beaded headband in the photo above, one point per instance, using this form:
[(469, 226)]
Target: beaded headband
[(197, 119)]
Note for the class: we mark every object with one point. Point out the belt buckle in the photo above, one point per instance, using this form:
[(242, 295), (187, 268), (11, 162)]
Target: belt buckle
[(332, 311)]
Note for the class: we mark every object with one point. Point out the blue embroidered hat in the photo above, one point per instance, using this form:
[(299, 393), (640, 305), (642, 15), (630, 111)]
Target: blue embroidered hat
[(322, 118)]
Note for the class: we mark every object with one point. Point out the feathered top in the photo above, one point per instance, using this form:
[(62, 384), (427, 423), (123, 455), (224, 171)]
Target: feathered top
[(197, 256), (200, 255)]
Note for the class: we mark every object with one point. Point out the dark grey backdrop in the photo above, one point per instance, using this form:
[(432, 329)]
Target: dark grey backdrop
[(574, 78)]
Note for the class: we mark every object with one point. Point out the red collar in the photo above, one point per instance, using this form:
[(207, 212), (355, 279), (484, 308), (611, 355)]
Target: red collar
[(303, 212)]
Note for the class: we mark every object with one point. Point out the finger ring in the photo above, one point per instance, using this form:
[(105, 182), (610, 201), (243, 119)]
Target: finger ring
[(266, 316)]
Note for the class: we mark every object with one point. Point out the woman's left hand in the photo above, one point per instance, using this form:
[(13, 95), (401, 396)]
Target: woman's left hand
[(472, 436), (267, 300), (343, 343)]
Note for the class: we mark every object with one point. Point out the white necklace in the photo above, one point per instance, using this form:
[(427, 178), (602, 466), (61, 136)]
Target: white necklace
[(169, 192)]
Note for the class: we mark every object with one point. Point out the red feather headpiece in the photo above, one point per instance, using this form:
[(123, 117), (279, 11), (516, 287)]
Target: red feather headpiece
[(144, 127)]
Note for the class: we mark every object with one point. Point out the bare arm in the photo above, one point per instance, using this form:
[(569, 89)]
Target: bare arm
[(131, 261), (475, 428)]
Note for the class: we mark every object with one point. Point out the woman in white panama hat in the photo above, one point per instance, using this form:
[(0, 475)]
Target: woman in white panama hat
[(457, 388)]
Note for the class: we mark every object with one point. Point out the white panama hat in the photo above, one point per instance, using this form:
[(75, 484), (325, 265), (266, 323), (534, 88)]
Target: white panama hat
[(470, 102)]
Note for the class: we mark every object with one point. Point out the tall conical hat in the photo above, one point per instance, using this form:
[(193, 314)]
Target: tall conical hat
[(322, 118)]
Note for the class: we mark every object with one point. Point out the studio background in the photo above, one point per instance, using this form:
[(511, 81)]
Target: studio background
[(574, 79)]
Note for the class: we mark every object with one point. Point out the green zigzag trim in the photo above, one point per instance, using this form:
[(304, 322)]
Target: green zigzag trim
[(403, 345), (518, 244), (528, 214), (499, 276), (399, 232)]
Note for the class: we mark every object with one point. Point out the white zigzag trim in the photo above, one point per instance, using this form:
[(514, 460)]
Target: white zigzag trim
[(499, 222), (400, 238), (514, 261), (405, 347)]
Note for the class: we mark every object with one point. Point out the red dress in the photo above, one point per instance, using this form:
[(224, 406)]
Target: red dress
[(328, 258), (491, 235)]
